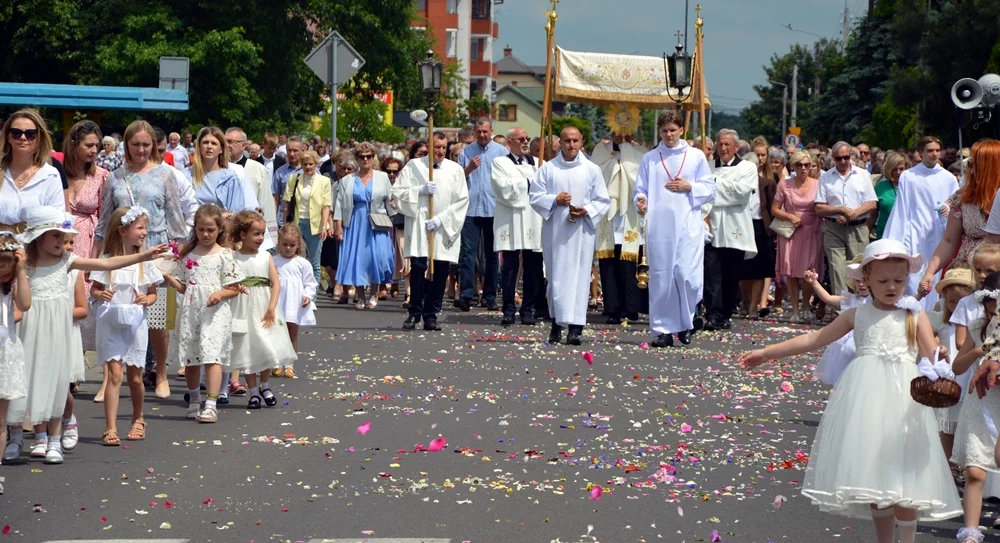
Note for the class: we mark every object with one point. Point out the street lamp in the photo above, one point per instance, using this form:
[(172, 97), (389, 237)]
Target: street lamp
[(678, 68), (430, 83)]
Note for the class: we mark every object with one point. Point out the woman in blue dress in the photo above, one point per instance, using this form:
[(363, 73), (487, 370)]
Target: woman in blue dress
[(214, 182), (366, 254)]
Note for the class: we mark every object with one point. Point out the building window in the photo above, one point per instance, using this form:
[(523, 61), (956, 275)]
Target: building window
[(507, 112), (452, 6), (474, 48), (481, 9), (451, 42), (421, 5)]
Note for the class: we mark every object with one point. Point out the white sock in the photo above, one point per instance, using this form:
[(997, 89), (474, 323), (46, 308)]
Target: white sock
[(210, 404), (195, 395), (224, 389), (55, 443), (254, 392), (265, 385), (907, 531), (69, 420)]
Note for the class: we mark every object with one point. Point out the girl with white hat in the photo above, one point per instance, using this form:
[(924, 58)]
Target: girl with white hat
[(45, 330), (876, 453)]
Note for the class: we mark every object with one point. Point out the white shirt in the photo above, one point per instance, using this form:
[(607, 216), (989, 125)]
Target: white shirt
[(967, 311), (282, 150), (852, 191), (43, 189), (181, 158), (993, 222), (189, 203)]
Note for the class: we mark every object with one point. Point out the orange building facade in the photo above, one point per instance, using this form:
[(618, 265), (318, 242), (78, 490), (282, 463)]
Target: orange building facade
[(464, 32)]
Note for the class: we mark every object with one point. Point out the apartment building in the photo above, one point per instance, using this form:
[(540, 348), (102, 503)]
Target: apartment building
[(464, 31)]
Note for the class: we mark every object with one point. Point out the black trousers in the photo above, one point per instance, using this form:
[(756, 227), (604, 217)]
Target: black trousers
[(474, 230), (426, 295), (723, 268), (532, 279), (622, 294)]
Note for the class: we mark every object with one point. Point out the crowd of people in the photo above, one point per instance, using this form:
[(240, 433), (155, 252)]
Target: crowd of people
[(207, 251)]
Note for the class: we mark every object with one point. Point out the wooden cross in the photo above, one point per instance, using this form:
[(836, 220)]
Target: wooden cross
[(678, 34)]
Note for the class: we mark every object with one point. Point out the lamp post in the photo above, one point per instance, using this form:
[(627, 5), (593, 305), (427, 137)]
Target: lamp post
[(430, 83), (678, 68)]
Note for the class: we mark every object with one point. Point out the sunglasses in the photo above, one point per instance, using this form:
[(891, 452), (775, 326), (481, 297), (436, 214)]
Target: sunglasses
[(841, 158), (803, 165), (29, 134), (365, 157), (522, 140), (392, 172)]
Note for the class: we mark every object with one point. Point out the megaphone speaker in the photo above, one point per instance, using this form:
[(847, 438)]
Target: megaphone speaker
[(967, 93), (990, 84)]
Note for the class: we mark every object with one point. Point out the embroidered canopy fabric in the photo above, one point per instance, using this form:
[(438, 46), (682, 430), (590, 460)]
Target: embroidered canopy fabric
[(604, 79)]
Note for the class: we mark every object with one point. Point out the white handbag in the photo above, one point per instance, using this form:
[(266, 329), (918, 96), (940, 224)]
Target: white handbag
[(783, 228)]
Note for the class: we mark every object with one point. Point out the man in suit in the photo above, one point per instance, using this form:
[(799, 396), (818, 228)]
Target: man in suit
[(256, 178)]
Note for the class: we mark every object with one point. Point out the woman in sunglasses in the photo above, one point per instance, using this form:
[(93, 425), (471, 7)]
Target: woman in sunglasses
[(803, 251), (362, 208), (391, 166), (27, 177)]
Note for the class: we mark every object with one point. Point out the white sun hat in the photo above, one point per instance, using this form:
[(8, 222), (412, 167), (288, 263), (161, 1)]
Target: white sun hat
[(43, 219), (883, 249)]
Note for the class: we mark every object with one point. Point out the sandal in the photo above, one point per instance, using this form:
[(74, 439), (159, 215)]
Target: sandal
[(137, 432), (394, 291), (180, 372), (237, 389), (110, 438), (342, 300), (209, 415), (372, 302), (254, 402), (277, 372), (358, 306), (383, 294)]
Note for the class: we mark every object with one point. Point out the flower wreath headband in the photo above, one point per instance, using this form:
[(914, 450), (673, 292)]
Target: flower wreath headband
[(987, 295), (10, 245), (132, 214)]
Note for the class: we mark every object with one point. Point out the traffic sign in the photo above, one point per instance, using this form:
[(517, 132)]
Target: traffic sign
[(791, 140), (346, 63)]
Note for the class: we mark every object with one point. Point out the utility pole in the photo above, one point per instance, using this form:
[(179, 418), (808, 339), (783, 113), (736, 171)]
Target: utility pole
[(710, 110), (795, 93), (784, 107), (871, 9), (818, 64), (847, 27)]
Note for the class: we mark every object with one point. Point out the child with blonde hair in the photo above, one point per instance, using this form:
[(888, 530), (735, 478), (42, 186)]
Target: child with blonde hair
[(298, 287)]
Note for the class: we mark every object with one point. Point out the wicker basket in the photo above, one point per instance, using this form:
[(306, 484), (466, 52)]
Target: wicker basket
[(940, 393)]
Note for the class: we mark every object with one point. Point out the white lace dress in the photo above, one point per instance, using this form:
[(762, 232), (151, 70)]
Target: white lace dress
[(256, 348), (114, 342), (947, 417), (204, 334), (875, 444), (12, 380), (974, 441), (297, 281), (77, 364), (46, 331)]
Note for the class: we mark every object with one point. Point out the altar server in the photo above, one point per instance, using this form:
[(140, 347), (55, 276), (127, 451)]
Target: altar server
[(413, 193), (673, 182), (517, 228), (570, 195)]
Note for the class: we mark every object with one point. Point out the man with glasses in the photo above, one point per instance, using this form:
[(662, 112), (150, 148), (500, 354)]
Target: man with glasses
[(844, 199), (477, 161), (865, 153), (255, 180), (292, 149), (517, 228)]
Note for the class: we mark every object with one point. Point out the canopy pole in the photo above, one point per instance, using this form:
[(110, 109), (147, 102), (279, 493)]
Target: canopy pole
[(550, 32)]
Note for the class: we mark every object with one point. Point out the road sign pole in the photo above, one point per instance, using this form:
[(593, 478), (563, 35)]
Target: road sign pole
[(333, 92)]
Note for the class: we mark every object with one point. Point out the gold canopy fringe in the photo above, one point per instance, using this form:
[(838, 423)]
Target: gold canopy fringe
[(605, 253), (631, 257)]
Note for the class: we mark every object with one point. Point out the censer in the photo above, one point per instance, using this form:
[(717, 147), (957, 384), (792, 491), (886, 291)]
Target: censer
[(642, 270)]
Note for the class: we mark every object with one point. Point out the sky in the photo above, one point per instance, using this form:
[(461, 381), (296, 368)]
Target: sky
[(740, 35)]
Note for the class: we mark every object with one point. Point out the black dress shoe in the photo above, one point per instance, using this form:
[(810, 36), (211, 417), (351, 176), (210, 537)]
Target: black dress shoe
[(613, 320), (632, 317), (528, 320), (727, 324), (463, 305), (684, 337), (555, 336), (431, 326), (507, 321), (492, 306), (411, 322), (663, 341), (763, 312), (698, 323), (573, 338)]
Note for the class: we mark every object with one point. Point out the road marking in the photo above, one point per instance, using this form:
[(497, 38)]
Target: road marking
[(380, 540), (121, 541)]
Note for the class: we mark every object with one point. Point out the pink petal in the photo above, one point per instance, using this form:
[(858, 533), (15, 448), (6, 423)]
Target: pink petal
[(589, 357), (777, 501), (686, 428), (595, 493), (715, 536), (438, 444), (644, 345), (363, 429), (787, 387)]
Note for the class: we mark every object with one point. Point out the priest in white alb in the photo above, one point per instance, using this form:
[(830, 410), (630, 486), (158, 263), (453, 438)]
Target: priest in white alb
[(570, 195), (673, 183), (413, 191), (517, 228), (619, 240), (920, 215)]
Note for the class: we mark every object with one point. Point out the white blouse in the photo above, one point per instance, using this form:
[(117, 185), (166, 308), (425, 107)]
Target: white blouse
[(43, 189)]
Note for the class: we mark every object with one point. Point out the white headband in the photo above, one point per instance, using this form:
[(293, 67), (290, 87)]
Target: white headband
[(132, 214)]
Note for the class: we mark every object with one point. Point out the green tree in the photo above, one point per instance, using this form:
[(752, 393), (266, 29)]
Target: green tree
[(594, 116), (558, 123), (361, 119)]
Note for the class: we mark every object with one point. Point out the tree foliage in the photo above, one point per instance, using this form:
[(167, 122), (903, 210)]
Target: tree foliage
[(558, 123), (361, 119)]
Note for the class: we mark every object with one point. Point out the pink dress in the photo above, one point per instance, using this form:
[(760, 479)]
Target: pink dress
[(86, 208), (804, 250)]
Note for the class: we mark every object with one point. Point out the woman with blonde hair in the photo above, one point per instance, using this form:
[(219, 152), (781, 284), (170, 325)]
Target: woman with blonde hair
[(214, 182), (27, 177), (308, 196), (886, 191), (362, 211), (803, 250)]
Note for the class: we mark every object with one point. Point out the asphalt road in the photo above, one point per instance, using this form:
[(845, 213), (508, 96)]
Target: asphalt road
[(682, 446)]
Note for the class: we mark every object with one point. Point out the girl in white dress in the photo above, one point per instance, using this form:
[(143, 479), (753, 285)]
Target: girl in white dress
[(839, 354), (207, 277), (78, 366), (876, 452), (46, 329), (260, 338), (956, 284), (14, 291), (975, 434), (298, 287), (122, 329)]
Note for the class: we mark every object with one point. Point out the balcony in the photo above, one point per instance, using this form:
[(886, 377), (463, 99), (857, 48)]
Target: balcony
[(482, 9)]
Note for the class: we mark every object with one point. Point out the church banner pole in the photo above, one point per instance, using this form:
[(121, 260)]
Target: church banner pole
[(699, 34), (430, 197), (550, 31)]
